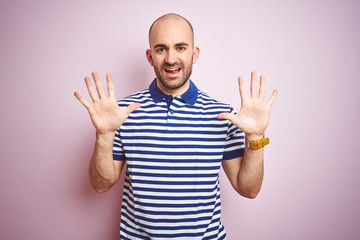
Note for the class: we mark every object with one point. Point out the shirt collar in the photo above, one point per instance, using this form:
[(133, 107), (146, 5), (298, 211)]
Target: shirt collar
[(190, 96)]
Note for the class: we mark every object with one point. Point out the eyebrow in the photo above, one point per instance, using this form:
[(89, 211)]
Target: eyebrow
[(182, 44), (160, 45)]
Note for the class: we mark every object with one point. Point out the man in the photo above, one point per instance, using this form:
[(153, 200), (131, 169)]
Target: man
[(174, 138)]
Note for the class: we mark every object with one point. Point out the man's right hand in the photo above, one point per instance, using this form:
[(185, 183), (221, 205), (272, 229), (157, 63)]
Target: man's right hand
[(105, 113)]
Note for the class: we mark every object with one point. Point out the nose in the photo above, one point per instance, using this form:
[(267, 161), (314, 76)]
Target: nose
[(171, 57)]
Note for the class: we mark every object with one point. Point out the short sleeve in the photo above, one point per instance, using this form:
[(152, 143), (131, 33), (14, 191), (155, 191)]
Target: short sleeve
[(235, 141), (118, 152)]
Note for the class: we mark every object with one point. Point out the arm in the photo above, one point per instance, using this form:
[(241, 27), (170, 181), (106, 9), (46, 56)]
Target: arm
[(104, 172), (246, 173), (106, 117)]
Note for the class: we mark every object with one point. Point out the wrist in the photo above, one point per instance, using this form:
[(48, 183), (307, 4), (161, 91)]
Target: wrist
[(254, 137), (105, 134), (105, 139)]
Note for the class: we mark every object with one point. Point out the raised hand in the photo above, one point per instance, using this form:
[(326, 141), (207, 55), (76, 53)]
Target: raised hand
[(105, 113), (254, 115)]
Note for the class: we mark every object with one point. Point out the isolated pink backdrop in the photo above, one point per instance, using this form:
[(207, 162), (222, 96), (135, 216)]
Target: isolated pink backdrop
[(308, 50)]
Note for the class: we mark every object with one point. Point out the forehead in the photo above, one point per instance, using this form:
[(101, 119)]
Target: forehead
[(170, 31)]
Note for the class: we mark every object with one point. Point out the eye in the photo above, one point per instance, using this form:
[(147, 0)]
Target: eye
[(160, 50), (181, 49)]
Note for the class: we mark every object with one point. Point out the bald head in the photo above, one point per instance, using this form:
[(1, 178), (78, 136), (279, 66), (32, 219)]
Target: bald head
[(168, 19)]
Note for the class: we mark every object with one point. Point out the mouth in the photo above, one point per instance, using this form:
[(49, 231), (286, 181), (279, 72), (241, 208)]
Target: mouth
[(172, 70)]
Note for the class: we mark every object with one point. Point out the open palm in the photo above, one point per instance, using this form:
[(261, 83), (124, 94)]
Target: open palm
[(254, 115), (105, 113)]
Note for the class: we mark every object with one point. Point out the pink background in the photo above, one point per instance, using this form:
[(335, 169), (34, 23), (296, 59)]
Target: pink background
[(308, 50)]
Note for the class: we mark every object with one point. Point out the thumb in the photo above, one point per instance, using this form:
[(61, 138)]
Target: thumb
[(132, 107), (225, 115)]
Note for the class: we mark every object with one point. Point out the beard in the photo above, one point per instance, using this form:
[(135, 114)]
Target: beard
[(170, 83)]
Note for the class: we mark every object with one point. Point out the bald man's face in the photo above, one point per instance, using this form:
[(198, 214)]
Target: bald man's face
[(172, 53)]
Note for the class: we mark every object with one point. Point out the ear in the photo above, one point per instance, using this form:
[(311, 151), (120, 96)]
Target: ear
[(196, 52), (149, 57)]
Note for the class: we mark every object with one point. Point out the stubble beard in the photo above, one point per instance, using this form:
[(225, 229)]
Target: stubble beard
[(181, 82)]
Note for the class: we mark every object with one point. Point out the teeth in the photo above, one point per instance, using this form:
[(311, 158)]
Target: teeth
[(172, 69)]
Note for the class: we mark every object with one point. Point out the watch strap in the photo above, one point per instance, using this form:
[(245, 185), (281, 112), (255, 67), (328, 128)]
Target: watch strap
[(257, 144)]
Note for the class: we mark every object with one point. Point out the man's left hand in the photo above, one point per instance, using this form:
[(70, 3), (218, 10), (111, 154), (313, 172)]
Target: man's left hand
[(254, 115)]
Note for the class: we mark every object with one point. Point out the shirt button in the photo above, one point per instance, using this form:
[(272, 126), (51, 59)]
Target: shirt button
[(171, 112)]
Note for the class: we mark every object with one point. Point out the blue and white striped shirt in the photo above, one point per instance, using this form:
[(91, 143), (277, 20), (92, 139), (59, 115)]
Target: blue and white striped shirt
[(173, 148)]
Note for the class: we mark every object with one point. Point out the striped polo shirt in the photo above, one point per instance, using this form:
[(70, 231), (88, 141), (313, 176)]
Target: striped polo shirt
[(173, 148)]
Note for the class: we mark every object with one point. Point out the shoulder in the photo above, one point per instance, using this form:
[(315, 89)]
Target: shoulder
[(138, 97), (207, 101)]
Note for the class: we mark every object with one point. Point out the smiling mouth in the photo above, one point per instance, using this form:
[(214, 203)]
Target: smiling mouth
[(172, 70)]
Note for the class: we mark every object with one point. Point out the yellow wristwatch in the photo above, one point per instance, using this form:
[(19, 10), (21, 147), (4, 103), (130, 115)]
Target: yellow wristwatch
[(257, 144)]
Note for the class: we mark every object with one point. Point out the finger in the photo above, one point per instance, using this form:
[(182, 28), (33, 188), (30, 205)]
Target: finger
[(99, 86), (110, 86), (82, 100), (273, 97), (91, 89), (132, 107), (262, 88), (226, 115), (242, 89), (253, 85)]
